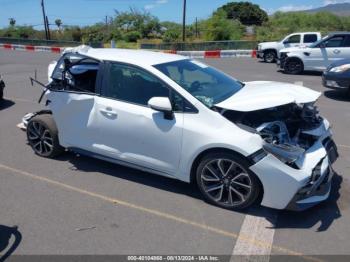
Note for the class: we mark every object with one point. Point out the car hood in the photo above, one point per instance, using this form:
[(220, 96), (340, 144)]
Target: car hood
[(266, 94), (268, 44)]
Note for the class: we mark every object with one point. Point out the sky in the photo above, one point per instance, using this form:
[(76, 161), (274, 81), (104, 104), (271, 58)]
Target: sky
[(87, 12)]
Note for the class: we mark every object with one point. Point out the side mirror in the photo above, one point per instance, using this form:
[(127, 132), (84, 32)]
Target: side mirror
[(286, 42), (162, 104)]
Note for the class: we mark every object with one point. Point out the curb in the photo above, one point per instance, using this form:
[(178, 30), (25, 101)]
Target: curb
[(31, 48), (214, 53), (191, 54)]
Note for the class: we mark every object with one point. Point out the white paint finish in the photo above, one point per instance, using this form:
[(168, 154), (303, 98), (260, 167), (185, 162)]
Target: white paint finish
[(284, 42), (260, 229), (160, 104), (258, 95), (136, 57), (137, 135), (318, 58)]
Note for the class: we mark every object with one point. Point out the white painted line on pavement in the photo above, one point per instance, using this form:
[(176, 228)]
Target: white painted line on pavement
[(344, 146), (259, 228)]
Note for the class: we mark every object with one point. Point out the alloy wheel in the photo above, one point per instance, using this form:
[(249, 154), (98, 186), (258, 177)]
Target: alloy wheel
[(40, 138), (226, 182), (294, 67)]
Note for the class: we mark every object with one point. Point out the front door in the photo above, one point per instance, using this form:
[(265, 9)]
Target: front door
[(131, 131)]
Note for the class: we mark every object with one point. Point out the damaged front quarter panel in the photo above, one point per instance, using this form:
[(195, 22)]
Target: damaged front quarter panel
[(288, 131), (297, 142)]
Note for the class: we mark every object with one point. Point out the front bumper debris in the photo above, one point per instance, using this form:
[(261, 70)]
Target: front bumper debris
[(303, 185)]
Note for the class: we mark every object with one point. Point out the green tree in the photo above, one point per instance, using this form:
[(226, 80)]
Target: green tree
[(136, 21), (218, 28), (171, 32), (246, 12)]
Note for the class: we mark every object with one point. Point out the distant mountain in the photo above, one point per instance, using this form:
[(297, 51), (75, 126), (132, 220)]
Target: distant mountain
[(342, 9)]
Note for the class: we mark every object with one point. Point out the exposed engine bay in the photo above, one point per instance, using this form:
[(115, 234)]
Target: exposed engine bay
[(288, 130)]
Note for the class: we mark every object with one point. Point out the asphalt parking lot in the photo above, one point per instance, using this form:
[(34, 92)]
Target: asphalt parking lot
[(77, 205)]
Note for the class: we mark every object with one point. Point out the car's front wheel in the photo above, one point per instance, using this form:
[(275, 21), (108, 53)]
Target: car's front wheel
[(270, 56), (42, 136), (293, 66), (225, 180)]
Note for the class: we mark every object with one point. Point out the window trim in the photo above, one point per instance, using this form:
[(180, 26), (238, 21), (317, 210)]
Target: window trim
[(104, 87)]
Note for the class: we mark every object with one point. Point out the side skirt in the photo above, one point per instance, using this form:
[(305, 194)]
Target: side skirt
[(119, 162)]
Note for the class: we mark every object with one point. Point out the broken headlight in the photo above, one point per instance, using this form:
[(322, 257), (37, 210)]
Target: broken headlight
[(287, 153), (279, 143)]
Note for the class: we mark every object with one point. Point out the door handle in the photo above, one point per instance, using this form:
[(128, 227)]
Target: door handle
[(108, 112), (336, 51)]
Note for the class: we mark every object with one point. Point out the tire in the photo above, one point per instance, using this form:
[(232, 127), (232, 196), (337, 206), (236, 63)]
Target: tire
[(236, 190), (1, 94), (293, 66), (42, 136), (270, 56)]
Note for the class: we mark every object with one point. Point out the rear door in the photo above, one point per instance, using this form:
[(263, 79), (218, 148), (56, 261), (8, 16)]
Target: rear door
[(308, 39), (72, 100)]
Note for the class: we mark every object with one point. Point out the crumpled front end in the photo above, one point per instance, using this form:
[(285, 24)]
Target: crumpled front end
[(294, 166)]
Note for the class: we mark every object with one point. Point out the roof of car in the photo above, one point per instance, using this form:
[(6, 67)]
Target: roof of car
[(339, 33), (137, 57)]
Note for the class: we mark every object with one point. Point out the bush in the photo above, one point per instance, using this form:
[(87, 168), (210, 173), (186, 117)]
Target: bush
[(219, 28), (132, 36)]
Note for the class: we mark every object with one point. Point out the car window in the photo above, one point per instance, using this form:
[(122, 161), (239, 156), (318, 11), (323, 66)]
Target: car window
[(335, 41), (346, 42), (80, 76), (134, 85), (203, 82), (294, 39), (310, 38)]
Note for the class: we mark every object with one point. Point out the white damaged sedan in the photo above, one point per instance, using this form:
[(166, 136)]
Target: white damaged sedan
[(177, 117)]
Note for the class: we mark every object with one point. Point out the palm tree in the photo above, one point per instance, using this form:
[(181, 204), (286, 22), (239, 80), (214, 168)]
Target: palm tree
[(58, 22), (12, 21)]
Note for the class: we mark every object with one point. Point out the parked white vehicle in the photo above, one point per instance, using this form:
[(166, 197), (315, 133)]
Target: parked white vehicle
[(269, 51), (180, 118), (318, 56)]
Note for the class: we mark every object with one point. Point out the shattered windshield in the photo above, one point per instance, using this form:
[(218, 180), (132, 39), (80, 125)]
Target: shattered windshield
[(205, 83)]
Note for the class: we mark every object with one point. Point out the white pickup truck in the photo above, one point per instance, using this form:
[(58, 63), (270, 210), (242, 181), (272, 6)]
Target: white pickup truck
[(269, 51)]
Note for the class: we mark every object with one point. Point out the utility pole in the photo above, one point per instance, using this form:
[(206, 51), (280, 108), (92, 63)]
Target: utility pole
[(44, 16), (48, 28), (196, 27), (184, 22)]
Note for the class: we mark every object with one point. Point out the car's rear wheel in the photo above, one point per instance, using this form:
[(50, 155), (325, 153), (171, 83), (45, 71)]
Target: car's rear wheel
[(42, 136), (293, 66), (225, 180), (270, 56)]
